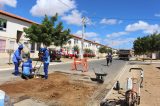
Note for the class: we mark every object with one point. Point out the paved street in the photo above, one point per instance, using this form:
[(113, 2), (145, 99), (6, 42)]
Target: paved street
[(97, 65)]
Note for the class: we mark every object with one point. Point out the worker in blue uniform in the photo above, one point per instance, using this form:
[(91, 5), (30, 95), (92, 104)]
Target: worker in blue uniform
[(17, 59), (27, 69), (46, 60)]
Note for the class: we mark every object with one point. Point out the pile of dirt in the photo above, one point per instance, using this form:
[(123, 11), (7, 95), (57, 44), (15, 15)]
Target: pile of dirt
[(59, 89)]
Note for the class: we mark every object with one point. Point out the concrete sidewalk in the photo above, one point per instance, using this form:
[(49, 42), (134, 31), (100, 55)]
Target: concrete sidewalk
[(122, 78), (37, 64)]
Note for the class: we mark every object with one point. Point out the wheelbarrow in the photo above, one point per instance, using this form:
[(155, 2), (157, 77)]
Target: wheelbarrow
[(99, 76)]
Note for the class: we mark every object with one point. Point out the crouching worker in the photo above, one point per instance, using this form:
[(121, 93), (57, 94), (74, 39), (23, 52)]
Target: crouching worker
[(27, 69)]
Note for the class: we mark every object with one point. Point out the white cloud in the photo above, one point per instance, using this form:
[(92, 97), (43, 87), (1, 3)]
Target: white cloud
[(90, 36), (12, 3), (144, 26), (51, 7), (75, 18), (139, 26), (97, 39), (117, 34), (157, 15), (110, 21), (119, 42), (87, 34)]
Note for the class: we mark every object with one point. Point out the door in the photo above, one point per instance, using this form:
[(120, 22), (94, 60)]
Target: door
[(2, 45)]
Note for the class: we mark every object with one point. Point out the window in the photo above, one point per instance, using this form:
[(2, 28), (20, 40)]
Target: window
[(2, 45), (75, 41), (19, 34), (3, 24), (69, 42)]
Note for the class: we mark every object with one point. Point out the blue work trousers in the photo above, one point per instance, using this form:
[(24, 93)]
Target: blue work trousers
[(46, 70), (16, 70)]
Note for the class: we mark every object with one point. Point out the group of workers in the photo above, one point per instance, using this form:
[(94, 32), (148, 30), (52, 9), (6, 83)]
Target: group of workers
[(27, 69)]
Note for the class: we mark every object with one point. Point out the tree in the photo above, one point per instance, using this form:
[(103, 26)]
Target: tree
[(88, 50), (141, 45), (147, 44), (103, 49), (43, 33), (109, 50), (76, 48), (61, 37), (48, 33)]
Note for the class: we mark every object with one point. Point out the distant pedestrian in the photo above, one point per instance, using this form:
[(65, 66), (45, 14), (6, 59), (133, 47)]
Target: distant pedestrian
[(17, 59), (107, 59), (110, 58)]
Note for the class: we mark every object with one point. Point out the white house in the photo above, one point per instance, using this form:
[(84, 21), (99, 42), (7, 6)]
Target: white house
[(11, 31)]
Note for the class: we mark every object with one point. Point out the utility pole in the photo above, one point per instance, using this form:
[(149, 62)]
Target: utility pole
[(83, 31)]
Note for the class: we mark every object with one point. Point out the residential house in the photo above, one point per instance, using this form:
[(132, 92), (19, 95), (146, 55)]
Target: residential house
[(11, 35)]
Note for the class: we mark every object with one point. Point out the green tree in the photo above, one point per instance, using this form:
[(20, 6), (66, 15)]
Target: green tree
[(48, 32), (88, 50), (141, 45), (147, 44), (61, 37), (103, 49), (109, 50), (76, 48), (42, 33)]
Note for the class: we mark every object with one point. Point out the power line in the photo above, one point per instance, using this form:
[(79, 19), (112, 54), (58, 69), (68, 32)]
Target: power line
[(118, 18), (64, 3), (130, 19)]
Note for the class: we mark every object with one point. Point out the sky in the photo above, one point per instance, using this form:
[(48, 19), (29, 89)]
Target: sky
[(115, 23)]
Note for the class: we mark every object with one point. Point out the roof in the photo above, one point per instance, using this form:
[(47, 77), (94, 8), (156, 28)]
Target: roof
[(31, 22), (87, 40), (16, 17)]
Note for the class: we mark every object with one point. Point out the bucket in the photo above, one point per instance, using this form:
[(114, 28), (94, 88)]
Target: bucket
[(2, 97)]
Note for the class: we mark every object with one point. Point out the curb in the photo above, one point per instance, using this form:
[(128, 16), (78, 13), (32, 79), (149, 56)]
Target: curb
[(115, 79), (51, 64)]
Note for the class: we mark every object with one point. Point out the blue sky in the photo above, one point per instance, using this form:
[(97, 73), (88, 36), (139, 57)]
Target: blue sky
[(116, 23)]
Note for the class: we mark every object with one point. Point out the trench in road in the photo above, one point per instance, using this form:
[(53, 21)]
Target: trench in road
[(98, 65)]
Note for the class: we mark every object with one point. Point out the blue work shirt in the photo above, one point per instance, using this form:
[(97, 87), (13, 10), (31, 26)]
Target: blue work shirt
[(46, 56), (17, 56), (27, 67)]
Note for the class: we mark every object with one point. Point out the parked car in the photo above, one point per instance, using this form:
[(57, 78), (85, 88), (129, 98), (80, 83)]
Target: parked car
[(55, 55)]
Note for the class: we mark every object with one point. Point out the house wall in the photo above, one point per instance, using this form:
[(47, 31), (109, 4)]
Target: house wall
[(9, 36)]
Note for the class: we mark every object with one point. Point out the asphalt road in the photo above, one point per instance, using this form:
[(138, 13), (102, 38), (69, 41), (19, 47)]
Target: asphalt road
[(98, 65)]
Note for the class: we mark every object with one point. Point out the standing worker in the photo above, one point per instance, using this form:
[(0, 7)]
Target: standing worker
[(17, 58), (110, 58), (107, 58), (46, 60)]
